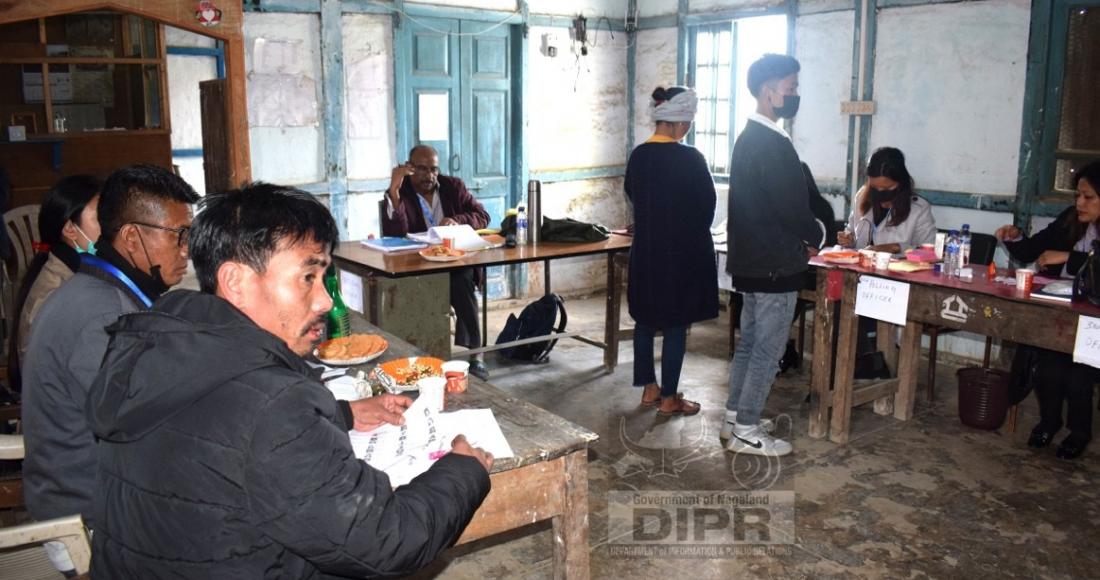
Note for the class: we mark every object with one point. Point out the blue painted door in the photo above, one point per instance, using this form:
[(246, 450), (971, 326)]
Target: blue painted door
[(460, 90)]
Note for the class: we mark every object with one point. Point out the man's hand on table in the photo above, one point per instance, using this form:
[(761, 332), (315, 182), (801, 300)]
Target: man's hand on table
[(385, 408), (448, 222), (462, 447)]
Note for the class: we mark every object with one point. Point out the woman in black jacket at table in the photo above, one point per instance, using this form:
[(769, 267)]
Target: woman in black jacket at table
[(673, 278), (1059, 251)]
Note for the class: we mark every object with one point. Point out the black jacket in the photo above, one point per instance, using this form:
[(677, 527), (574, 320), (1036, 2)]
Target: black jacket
[(1056, 236), (222, 456), (769, 211), (672, 273)]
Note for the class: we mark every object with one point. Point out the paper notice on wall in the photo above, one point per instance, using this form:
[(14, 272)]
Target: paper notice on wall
[(282, 101), (351, 288), (406, 451), (1086, 347), (882, 299), (276, 56)]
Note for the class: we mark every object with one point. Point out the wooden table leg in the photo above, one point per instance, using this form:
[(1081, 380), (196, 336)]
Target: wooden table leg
[(571, 527), (820, 396), (845, 362), (885, 343), (611, 316), (374, 299), (907, 371)]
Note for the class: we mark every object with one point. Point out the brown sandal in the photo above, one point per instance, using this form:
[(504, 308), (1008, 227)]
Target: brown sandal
[(651, 401), (684, 407)]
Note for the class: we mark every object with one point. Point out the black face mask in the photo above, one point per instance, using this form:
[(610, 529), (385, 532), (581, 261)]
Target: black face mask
[(789, 108), (878, 196)]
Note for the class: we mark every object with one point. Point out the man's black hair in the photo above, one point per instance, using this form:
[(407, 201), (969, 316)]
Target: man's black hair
[(247, 225), (770, 67), (131, 194)]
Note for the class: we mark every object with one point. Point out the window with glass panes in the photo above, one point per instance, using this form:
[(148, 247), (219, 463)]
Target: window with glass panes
[(719, 57), (1076, 138)]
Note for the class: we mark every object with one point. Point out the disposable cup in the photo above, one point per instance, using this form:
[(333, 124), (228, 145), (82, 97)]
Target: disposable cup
[(432, 389), (882, 260), (1024, 279), (457, 374)]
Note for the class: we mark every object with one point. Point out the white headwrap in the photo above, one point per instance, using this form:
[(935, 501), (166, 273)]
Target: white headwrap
[(680, 108)]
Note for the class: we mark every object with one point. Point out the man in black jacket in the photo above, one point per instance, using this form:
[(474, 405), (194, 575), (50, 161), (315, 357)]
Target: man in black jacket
[(222, 455), (770, 224)]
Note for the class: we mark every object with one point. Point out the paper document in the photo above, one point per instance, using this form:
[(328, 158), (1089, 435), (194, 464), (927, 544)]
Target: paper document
[(465, 237), (407, 451)]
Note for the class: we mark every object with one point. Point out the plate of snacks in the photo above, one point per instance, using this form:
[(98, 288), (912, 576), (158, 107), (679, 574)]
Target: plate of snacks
[(441, 254), (354, 349), (840, 257), (404, 372)]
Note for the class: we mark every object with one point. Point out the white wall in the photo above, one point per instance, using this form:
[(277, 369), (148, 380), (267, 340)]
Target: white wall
[(283, 63), (184, 75), (655, 55), (820, 133), (368, 78), (949, 89), (576, 105)]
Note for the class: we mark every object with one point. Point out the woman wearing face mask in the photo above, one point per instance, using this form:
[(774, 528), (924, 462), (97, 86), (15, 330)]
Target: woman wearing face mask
[(672, 276), (1060, 250), (68, 226), (887, 215)]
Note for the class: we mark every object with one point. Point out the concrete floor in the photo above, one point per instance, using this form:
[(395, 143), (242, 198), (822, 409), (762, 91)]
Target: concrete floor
[(927, 498)]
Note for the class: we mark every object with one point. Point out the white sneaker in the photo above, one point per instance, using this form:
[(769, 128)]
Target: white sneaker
[(731, 419), (754, 440)]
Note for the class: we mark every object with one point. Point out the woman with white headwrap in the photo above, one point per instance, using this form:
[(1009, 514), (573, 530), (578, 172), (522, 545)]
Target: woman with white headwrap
[(673, 280)]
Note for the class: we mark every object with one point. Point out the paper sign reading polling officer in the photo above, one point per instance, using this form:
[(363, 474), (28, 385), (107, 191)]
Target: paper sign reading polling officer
[(882, 299), (1086, 347)]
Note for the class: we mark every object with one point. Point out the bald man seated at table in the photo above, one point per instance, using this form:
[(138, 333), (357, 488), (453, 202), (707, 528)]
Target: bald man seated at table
[(420, 198)]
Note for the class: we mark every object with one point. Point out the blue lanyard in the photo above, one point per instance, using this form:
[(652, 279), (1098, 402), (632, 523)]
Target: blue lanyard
[(428, 217), (118, 275)]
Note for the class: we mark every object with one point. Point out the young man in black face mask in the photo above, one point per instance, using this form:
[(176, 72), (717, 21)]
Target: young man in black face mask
[(770, 226), (145, 218)]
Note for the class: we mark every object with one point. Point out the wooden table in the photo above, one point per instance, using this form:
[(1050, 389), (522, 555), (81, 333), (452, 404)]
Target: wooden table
[(547, 479), (372, 264), (982, 306)]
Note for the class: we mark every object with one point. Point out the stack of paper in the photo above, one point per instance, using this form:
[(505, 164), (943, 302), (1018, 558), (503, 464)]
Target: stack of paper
[(407, 451), (464, 236)]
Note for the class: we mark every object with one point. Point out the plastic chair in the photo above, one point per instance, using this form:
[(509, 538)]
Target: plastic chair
[(982, 249), (22, 554), (22, 226)]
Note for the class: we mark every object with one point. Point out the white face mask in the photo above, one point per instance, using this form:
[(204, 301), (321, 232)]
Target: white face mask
[(91, 243)]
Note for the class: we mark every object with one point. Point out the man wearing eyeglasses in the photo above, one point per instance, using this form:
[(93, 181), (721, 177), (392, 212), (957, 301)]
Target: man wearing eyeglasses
[(419, 198), (145, 220)]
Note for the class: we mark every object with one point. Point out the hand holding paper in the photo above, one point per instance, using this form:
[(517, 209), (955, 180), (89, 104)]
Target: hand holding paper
[(373, 412), (462, 447)]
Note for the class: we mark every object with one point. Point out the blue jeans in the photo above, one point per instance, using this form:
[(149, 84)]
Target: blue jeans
[(672, 356), (765, 328)]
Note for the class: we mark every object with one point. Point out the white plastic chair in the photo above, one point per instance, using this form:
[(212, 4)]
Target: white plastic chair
[(22, 555)]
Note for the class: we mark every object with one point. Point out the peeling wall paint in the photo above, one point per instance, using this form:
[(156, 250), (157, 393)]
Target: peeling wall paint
[(577, 105), (656, 58)]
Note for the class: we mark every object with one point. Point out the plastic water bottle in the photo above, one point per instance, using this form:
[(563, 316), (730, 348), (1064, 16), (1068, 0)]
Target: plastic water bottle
[(964, 246), (521, 225), (951, 255)]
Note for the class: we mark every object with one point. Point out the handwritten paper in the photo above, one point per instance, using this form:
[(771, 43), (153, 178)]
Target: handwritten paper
[(882, 299), (406, 451), (1086, 347)]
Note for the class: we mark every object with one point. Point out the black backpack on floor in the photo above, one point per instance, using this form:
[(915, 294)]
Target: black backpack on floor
[(536, 319)]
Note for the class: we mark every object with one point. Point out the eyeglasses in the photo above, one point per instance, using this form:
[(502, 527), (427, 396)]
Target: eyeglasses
[(183, 233), (423, 169)]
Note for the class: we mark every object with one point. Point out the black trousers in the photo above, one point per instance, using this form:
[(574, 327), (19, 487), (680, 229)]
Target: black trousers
[(464, 301), (1065, 384)]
